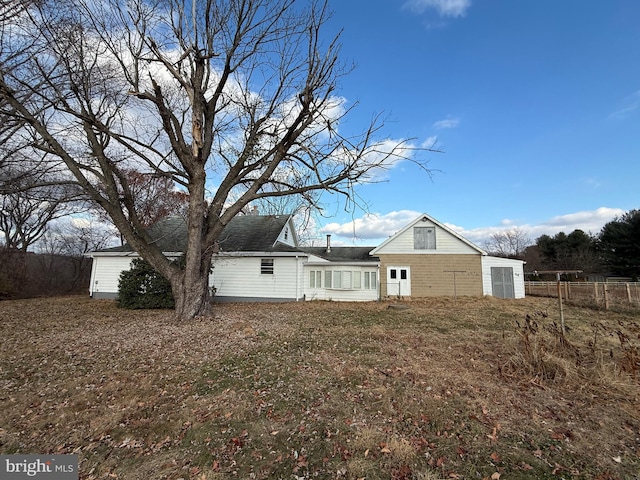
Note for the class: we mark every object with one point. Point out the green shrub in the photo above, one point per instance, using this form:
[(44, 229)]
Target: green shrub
[(143, 287)]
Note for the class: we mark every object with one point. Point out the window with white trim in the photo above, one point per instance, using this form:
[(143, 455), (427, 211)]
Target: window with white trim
[(356, 280), (315, 279), (370, 280), (346, 280)]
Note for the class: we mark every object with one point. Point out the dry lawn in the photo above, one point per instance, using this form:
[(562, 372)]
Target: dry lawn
[(483, 388)]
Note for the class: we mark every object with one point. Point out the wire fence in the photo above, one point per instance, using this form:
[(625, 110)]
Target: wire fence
[(595, 294)]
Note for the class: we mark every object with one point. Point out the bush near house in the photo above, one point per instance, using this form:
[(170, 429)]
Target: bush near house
[(143, 287)]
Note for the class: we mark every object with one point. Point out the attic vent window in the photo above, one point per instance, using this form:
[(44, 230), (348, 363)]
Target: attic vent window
[(266, 266), (424, 238)]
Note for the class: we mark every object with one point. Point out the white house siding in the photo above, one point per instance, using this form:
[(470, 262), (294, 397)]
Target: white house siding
[(105, 274), (446, 243), (518, 274), (288, 235), (361, 294), (239, 278)]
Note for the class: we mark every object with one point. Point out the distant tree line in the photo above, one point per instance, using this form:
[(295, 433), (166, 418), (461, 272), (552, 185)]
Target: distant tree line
[(45, 231), (613, 252)]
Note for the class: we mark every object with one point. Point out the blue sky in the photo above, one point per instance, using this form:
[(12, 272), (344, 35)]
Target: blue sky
[(536, 105)]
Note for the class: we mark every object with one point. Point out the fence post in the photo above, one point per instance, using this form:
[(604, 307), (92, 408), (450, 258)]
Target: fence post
[(560, 302), (595, 292), (628, 293), (606, 297)]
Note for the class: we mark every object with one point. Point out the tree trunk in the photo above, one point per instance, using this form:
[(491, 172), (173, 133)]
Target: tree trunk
[(191, 295)]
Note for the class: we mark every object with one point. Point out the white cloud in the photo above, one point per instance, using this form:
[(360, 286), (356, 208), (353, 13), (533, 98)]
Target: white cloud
[(590, 221), (430, 142), (383, 156), (448, 122), (445, 8), (373, 228), (592, 182), (629, 105), (80, 222)]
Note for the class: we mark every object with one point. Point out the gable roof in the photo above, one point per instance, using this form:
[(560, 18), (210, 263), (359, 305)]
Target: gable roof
[(435, 222), (342, 254), (252, 233), (244, 233)]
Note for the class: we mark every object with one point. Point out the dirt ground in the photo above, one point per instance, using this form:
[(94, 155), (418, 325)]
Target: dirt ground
[(479, 388)]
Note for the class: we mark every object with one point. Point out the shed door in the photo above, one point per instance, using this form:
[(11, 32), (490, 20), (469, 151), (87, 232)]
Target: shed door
[(502, 282), (398, 281)]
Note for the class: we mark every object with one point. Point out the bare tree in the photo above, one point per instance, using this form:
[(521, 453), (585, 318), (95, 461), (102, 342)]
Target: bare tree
[(26, 213), (61, 251), (74, 237), (11, 8), (303, 211), (229, 99), (508, 243)]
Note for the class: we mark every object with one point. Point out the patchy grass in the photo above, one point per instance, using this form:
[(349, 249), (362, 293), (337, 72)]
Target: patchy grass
[(479, 389)]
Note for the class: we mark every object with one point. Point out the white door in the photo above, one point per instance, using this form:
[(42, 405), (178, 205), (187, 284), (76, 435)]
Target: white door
[(398, 281)]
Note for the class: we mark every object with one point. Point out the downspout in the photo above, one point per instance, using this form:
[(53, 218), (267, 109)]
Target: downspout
[(297, 279), (93, 276)]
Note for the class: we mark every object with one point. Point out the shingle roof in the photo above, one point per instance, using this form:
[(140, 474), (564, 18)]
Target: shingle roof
[(247, 233), (244, 233), (252, 233), (342, 254)]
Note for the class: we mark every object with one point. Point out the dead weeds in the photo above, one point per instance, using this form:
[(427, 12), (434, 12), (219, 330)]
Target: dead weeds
[(482, 388)]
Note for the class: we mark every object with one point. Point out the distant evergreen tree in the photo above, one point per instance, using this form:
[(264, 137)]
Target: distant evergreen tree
[(619, 245), (575, 251), (143, 287)]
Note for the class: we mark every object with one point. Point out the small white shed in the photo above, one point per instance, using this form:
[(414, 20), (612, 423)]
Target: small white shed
[(503, 277)]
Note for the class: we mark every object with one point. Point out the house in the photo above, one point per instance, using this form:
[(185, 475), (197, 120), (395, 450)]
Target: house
[(259, 259), (426, 258)]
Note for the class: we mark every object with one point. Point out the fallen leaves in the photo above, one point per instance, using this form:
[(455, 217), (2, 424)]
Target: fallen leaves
[(493, 436), (316, 390)]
